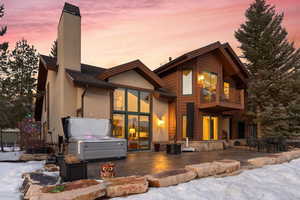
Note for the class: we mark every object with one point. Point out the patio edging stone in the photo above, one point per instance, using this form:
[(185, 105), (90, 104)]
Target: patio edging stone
[(218, 169)]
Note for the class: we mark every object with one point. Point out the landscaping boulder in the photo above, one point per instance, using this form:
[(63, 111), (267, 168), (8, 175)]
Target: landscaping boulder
[(262, 161), (227, 166), (294, 154), (171, 177), (77, 190), (36, 178), (214, 168), (203, 169), (123, 186), (33, 157), (51, 168)]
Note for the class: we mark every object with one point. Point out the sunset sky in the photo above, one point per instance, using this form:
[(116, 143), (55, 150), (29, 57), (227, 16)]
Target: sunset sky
[(118, 31)]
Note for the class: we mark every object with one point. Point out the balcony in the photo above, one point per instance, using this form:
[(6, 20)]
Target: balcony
[(211, 100)]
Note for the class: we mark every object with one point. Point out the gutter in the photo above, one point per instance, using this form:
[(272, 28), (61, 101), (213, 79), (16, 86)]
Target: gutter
[(82, 100)]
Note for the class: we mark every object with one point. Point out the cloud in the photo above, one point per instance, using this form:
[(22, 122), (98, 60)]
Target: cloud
[(116, 31)]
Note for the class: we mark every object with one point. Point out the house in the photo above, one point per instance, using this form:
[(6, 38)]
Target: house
[(199, 95), (209, 84)]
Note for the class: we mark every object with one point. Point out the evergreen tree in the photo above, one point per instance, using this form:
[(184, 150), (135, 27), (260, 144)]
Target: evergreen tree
[(3, 45), (270, 60), (22, 78), (53, 52), (4, 102)]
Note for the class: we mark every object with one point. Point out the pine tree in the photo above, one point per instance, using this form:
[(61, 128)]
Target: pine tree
[(270, 60), (4, 45), (22, 78), (53, 52), (4, 102)]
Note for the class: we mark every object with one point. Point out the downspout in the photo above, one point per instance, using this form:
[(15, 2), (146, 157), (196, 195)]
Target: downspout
[(82, 100)]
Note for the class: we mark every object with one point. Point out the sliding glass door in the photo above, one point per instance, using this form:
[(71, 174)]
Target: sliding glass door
[(131, 118), (210, 128)]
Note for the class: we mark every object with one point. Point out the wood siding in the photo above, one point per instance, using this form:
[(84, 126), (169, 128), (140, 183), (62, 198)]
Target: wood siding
[(211, 62)]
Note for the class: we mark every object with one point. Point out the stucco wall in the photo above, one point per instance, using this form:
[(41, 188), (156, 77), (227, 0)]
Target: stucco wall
[(54, 111), (160, 112), (97, 103), (63, 94), (131, 78)]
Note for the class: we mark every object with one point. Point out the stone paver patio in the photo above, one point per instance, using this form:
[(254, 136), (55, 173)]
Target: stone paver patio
[(142, 163)]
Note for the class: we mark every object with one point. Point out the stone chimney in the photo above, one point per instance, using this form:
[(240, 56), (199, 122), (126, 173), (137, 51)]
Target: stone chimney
[(69, 38)]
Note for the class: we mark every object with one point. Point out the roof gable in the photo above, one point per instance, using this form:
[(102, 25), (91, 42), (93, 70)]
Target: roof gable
[(136, 65), (224, 49)]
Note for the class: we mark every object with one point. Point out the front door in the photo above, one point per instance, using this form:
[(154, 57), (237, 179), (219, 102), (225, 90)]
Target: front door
[(210, 128), (138, 128)]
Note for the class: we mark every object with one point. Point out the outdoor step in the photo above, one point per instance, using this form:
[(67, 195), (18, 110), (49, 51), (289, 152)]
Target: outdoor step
[(123, 186), (82, 189), (171, 177)]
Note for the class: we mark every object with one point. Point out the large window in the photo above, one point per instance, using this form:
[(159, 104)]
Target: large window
[(118, 126), (210, 128), (187, 82), (131, 117), (132, 99), (208, 83), (144, 102), (184, 125), (119, 99)]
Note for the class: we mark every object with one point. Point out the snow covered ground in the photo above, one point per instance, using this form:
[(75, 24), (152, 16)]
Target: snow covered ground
[(11, 180), (274, 182)]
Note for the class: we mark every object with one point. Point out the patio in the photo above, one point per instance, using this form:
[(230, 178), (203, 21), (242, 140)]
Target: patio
[(142, 163)]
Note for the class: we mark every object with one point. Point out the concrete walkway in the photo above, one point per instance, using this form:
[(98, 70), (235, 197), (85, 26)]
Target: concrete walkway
[(142, 163)]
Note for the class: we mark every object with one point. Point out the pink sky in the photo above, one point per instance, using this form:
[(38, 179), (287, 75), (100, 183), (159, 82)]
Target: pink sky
[(118, 31)]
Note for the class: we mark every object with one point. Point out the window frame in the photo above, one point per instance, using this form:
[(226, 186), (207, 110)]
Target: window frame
[(127, 113), (182, 126), (192, 81)]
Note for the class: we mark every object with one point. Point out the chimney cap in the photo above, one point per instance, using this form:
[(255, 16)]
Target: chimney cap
[(71, 9)]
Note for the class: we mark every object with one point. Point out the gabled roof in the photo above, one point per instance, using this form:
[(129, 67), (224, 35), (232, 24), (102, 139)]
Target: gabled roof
[(49, 62), (91, 70), (136, 65), (85, 79), (225, 49)]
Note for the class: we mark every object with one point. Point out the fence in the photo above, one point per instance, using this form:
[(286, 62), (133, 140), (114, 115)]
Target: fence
[(10, 137)]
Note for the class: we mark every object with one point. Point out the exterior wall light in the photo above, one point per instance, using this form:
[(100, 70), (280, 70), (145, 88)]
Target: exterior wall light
[(160, 122), (200, 78)]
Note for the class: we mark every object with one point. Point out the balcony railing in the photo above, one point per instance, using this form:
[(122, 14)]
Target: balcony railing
[(232, 96), (208, 95)]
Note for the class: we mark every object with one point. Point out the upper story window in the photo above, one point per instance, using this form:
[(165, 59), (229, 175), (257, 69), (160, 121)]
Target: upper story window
[(208, 83), (129, 100), (187, 82), (145, 102), (226, 89), (132, 100), (119, 99)]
